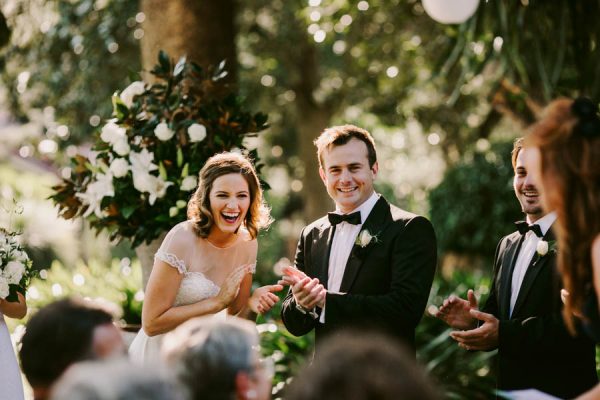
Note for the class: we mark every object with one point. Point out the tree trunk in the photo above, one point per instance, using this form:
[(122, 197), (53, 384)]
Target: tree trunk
[(313, 118), (204, 31)]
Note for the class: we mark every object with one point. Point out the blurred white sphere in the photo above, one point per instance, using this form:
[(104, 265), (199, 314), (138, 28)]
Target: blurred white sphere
[(450, 11)]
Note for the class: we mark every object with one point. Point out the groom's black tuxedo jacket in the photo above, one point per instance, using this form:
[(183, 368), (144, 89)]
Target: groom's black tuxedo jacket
[(535, 350), (386, 283)]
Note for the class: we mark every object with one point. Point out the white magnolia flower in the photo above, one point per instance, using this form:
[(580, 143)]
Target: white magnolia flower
[(189, 183), (112, 133), (121, 147), (142, 181), (163, 132), (159, 189), (96, 191), (135, 89), (173, 211), (542, 248), (197, 132), (364, 238), (119, 167), (13, 272), (155, 186), (181, 203), (4, 289), (142, 161)]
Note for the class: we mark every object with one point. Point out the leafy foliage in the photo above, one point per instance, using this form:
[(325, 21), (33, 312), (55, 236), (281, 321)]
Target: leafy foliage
[(475, 205), (70, 56), (140, 200)]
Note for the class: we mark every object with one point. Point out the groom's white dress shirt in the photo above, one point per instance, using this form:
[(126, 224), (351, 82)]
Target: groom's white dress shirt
[(526, 253), (344, 238)]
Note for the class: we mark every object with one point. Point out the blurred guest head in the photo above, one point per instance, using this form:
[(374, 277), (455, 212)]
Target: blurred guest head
[(362, 366), (114, 380), (564, 157), (218, 359), (62, 333)]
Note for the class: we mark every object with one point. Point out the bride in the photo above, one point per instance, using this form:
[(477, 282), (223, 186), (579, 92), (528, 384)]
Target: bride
[(204, 265), (11, 386)]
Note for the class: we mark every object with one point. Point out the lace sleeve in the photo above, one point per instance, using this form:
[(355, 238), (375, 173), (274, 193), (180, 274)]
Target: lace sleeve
[(172, 260)]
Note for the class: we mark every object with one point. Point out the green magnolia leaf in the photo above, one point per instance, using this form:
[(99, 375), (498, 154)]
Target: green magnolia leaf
[(179, 157), (184, 171), (128, 211), (162, 171), (164, 61)]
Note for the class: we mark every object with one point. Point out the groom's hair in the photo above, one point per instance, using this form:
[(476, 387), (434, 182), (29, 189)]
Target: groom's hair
[(517, 146), (59, 335), (340, 135)]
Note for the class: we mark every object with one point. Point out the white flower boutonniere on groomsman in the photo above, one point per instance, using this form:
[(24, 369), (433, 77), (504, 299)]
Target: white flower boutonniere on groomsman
[(364, 238), (544, 247)]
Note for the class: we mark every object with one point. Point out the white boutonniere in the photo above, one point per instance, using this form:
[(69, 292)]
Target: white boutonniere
[(364, 238), (544, 247)]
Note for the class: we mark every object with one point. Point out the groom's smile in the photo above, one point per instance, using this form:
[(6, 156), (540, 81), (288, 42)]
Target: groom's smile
[(347, 175)]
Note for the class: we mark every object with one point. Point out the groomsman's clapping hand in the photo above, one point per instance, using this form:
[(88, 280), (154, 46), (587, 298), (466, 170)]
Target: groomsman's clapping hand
[(483, 338), (455, 311), (308, 292), (464, 314)]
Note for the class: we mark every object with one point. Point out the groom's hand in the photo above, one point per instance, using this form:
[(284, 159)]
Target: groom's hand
[(309, 293)]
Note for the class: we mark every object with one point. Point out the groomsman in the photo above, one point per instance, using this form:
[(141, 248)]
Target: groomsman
[(522, 316), (368, 264)]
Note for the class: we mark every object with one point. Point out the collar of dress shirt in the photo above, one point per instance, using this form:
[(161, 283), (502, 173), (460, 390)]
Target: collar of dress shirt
[(365, 208), (545, 222)]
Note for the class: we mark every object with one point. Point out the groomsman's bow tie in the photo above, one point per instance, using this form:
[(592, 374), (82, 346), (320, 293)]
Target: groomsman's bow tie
[(523, 227), (353, 218)]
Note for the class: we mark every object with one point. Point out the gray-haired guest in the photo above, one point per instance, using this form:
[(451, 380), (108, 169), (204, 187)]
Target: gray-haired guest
[(218, 359), (114, 380)]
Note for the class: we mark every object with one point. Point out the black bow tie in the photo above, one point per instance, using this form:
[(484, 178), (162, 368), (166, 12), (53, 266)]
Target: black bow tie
[(523, 227), (353, 218)]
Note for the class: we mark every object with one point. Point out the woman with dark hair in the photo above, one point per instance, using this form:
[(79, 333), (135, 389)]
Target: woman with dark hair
[(565, 160), (204, 265)]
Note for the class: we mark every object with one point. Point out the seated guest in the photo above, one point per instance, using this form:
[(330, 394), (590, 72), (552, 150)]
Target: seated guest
[(113, 380), (217, 359), (564, 156), (362, 367), (61, 334)]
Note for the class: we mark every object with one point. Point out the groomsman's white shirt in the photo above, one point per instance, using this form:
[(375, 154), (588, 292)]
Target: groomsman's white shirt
[(528, 249), (343, 240)]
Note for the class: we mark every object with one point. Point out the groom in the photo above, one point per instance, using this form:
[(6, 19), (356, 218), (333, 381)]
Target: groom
[(367, 265)]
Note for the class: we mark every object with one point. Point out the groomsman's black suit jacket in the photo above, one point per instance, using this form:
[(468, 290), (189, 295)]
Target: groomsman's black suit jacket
[(386, 283), (535, 350)]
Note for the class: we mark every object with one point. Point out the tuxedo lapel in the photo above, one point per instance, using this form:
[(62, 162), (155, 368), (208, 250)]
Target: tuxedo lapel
[(321, 252), (508, 265), (533, 269), (379, 217)]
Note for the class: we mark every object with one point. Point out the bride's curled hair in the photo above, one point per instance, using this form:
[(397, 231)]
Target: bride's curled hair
[(199, 210)]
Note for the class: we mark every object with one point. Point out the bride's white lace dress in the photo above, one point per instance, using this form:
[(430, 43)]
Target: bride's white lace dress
[(202, 265), (11, 387)]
